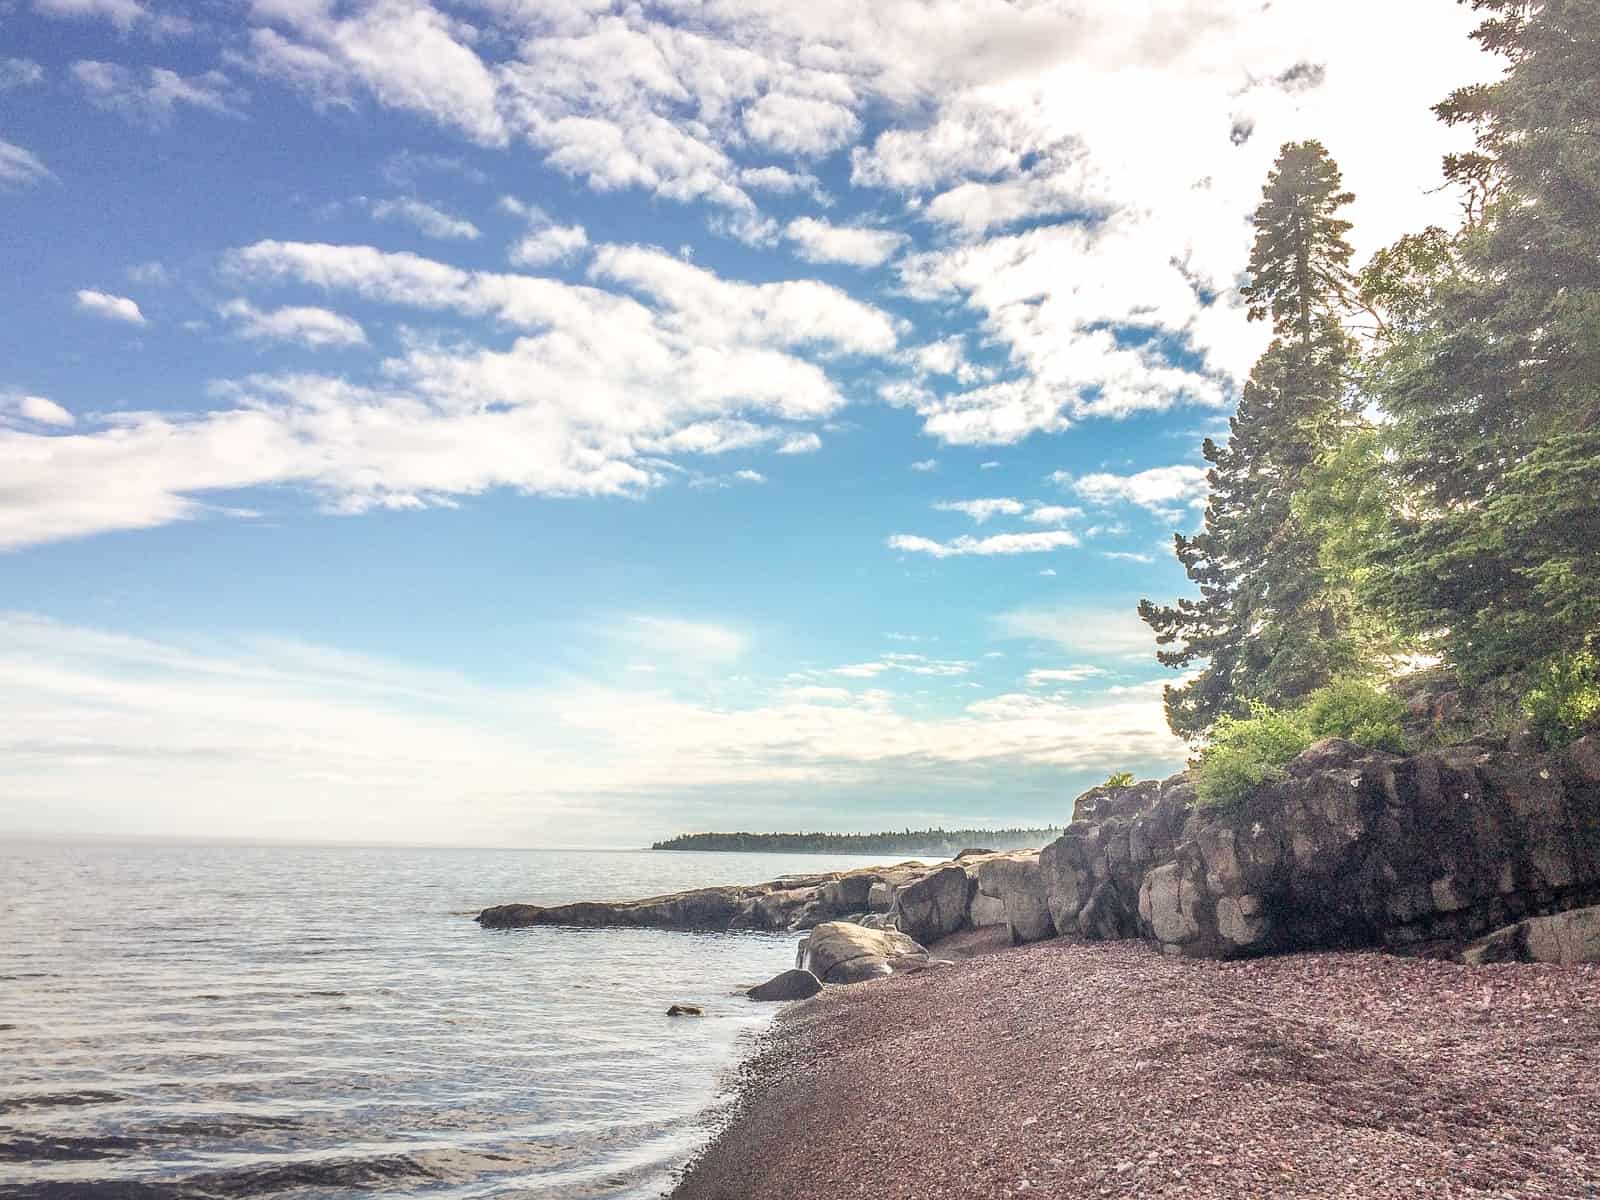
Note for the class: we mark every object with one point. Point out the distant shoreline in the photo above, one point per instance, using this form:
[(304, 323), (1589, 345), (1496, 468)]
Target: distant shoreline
[(942, 843)]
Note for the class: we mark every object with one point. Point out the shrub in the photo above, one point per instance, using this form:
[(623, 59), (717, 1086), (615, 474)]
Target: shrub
[(1246, 752), (1121, 779), (1565, 698), (1358, 712)]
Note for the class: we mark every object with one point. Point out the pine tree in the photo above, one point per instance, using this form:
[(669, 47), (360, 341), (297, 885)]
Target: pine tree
[(1268, 625), (1494, 390)]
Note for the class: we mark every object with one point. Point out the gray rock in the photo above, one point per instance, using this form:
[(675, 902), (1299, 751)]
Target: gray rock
[(793, 984), (1564, 938), (839, 952), (1017, 882), (936, 905)]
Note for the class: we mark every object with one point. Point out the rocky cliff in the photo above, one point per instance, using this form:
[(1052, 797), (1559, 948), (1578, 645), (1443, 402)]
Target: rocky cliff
[(1354, 847)]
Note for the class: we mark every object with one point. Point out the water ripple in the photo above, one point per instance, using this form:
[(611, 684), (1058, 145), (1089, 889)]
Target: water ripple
[(210, 1022)]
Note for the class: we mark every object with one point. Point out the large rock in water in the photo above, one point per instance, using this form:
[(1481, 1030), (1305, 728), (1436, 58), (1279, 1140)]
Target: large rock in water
[(841, 952), (1564, 938), (793, 984), (1353, 847), (936, 905)]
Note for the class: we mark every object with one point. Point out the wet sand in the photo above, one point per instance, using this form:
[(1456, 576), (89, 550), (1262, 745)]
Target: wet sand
[(1104, 1069)]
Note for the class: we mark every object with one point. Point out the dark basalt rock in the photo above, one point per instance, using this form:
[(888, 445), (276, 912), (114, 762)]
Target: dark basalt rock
[(793, 984), (1354, 847)]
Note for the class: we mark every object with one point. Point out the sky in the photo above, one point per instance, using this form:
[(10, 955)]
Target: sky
[(571, 423)]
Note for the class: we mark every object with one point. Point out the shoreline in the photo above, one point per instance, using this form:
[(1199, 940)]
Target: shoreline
[(1072, 1069)]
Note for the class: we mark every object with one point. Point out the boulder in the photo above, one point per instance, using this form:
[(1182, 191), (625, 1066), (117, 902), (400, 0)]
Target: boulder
[(840, 952), (793, 984), (936, 905), (1564, 938), (686, 1010), (1092, 874), (1016, 883)]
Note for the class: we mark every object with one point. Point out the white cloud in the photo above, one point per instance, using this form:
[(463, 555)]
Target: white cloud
[(1048, 572), (911, 664), (426, 219), (20, 167), (1127, 556), (39, 410), (1164, 491), (116, 734), (1052, 514), (748, 476), (154, 98), (820, 242), (595, 387), (999, 543), (19, 73), (1107, 632), (405, 53), (125, 15), (808, 126), (1075, 674), (549, 244), (982, 510), (783, 181), (800, 443), (925, 464), (313, 328), (103, 304)]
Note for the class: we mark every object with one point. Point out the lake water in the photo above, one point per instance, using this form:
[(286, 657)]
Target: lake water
[(223, 1021)]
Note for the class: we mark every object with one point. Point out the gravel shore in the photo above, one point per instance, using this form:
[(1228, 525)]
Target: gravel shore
[(1105, 1069)]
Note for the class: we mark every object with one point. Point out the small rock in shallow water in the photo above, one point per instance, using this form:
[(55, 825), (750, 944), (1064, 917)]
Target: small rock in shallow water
[(686, 1010), (790, 985)]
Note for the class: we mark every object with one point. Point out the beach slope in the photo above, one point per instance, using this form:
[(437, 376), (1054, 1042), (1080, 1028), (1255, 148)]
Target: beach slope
[(1107, 1069)]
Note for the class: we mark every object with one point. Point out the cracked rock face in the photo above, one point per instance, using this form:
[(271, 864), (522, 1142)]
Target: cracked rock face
[(936, 905), (1354, 847)]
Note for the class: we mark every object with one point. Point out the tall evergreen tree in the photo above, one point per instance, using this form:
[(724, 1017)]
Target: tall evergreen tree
[(1267, 624), (1494, 388)]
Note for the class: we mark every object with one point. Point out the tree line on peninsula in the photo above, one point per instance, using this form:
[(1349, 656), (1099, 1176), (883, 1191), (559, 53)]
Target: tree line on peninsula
[(916, 843), (1413, 470)]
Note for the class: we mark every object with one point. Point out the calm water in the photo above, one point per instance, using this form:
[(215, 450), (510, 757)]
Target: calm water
[(180, 1021)]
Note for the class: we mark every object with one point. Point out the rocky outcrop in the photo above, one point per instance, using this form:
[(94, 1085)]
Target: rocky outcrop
[(1353, 847), (938, 904), (794, 984), (1564, 938), (843, 952), (1016, 885), (928, 901), (791, 902)]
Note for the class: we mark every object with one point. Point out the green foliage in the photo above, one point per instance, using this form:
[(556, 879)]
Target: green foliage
[(1246, 752), (1491, 372), (1121, 779), (1355, 710), (1565, 699), (1270, 622)]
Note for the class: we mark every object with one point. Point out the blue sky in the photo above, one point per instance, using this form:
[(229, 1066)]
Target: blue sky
[(565, 423)]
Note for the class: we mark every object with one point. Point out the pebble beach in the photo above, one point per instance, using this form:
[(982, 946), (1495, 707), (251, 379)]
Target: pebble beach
[(1070, 1069)]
